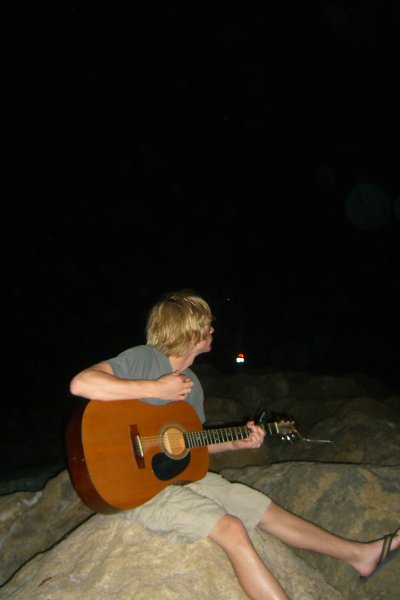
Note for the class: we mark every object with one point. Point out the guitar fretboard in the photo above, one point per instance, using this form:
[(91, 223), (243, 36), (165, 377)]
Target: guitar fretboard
[(196, 439)]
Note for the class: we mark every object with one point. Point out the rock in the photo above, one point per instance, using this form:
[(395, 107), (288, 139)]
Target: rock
[(358, 502), (31, 522), (54, 548), (357, 438), (110, 556)]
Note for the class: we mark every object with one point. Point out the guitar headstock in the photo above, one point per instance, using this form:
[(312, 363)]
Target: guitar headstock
[(282, 427), (285, 428)]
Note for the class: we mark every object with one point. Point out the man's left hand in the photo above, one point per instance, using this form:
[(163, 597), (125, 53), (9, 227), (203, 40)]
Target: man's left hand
[(254, 440)]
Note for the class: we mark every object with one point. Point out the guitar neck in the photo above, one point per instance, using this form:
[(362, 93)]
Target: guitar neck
[(196, 439)]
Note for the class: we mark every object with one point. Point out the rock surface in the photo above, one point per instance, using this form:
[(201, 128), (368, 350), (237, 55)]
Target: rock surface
[(54, 548)]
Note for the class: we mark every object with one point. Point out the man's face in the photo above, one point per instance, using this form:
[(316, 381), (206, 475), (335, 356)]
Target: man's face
[(205, 345)]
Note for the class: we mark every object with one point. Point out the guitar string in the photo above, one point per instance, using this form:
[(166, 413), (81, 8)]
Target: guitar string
[(205, 433), (206, 436), (202, 434), (175, 438)]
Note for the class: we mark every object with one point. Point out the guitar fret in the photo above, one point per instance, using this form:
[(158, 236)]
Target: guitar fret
[(227, 434), (195, 439), (223, 435), (216, 437), (188, 439)]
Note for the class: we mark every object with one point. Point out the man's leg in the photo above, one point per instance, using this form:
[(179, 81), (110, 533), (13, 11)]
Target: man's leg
[(297, 532), (254, 577)]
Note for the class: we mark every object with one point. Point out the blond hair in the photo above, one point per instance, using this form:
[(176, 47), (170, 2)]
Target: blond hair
[(177, 322)]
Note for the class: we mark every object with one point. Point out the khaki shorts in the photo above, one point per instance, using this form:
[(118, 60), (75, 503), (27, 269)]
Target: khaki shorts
[(188, 513)]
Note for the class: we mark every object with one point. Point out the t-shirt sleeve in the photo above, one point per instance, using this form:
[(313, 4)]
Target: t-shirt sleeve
[(123, 365), (140, 362)]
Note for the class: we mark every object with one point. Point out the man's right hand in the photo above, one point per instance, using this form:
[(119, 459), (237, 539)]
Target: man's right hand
[(174, 386)]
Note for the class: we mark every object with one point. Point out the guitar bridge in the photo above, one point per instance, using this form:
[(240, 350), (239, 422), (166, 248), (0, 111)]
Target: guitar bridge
[(137, 446)]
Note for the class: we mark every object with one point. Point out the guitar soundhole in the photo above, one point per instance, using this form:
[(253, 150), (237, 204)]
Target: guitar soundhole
[(172, 441), (166, 468)]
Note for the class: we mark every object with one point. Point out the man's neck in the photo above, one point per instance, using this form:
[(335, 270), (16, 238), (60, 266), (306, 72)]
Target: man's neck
[(180, 363)]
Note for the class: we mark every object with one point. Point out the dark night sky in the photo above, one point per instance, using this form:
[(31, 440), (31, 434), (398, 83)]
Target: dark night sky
[(191, 145)]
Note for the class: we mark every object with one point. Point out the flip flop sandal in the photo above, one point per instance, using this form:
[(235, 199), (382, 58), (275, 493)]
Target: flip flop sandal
[(386, 555)]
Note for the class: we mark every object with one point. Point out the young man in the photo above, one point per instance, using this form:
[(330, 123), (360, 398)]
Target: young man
[(179, 328)]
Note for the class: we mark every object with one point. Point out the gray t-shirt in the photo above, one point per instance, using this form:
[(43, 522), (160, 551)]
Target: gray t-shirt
[(145, 362)]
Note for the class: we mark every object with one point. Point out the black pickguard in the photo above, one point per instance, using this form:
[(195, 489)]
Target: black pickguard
[(166, 468)]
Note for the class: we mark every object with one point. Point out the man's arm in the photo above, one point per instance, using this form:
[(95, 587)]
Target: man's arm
[(100, 383)]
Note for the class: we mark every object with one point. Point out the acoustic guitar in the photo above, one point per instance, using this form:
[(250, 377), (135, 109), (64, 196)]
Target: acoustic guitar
[(122, 453)]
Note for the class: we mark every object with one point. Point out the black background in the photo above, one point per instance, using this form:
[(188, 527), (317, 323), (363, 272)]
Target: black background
[(204, 145)]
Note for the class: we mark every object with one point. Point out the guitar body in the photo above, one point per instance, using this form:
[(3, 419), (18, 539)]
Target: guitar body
[(122, 453)]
